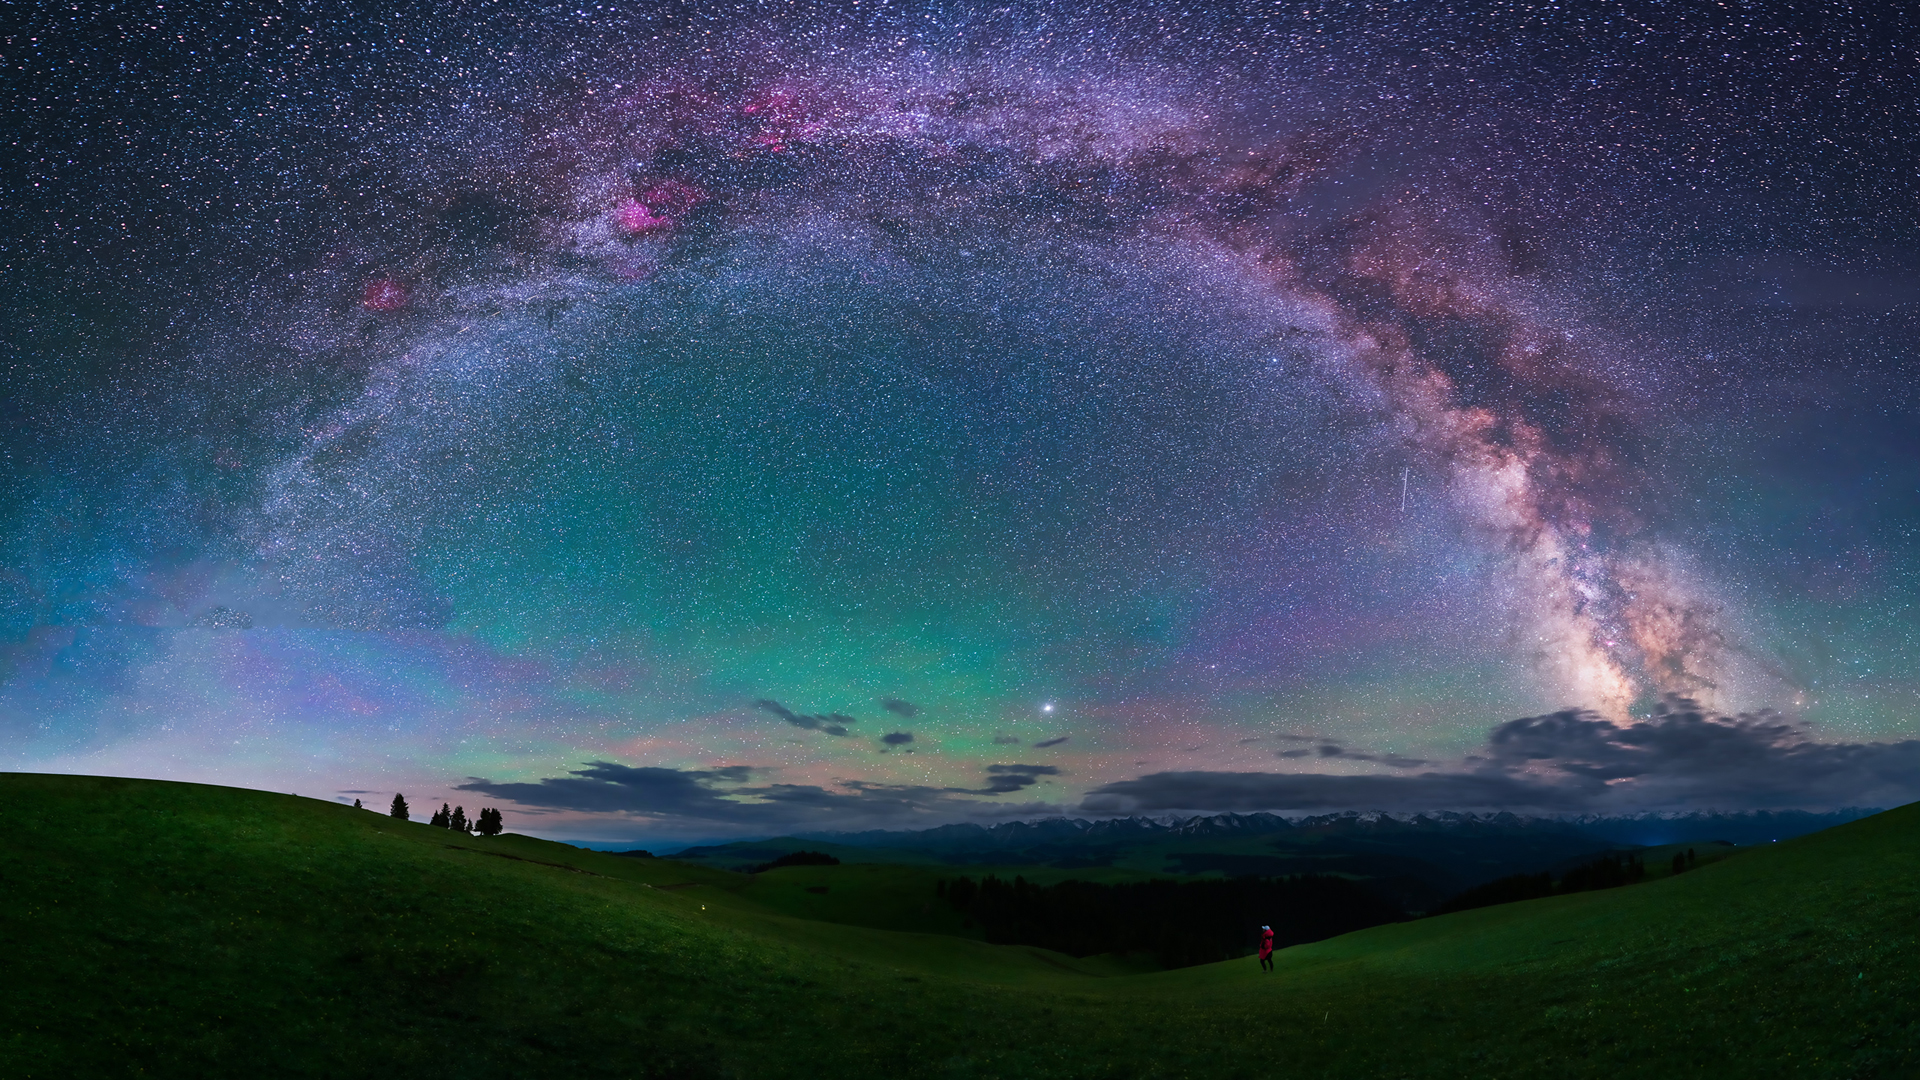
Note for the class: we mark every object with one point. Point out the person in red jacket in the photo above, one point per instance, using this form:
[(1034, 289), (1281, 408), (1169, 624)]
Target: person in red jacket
[(1266, 948)]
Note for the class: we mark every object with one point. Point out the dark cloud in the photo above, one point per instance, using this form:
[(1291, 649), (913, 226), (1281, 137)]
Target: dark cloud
[(1044, 743), (1222, 791), (704, 801), (1332, 750), (1004, 778), (1026, 770), (831, 723), (607, 786), (898, 738), (1566, 762), (1006, 740), (901, 708), (1681, 757)]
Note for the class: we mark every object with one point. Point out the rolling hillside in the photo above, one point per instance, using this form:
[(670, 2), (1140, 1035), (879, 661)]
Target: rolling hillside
[(173, 929)]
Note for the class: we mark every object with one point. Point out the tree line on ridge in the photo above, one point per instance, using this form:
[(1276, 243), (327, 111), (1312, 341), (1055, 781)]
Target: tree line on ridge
[(488, 822)]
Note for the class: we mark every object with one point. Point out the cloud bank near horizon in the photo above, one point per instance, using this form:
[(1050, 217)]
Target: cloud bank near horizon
[(724, 799), (1566, 762), (1575, 761)]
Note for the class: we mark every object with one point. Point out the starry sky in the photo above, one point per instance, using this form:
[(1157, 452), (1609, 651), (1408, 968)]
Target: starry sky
[(684, 420)]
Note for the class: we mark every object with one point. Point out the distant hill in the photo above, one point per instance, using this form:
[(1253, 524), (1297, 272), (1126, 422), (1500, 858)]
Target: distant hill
[(1641, 829), (1751, 827), (186, 930), (1413, 860)]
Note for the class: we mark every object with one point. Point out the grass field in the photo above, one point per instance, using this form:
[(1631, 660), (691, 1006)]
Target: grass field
[(182, 930)]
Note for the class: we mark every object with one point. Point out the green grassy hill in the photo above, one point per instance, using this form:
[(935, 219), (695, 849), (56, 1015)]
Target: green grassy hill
[(742, 854), (183, 930)]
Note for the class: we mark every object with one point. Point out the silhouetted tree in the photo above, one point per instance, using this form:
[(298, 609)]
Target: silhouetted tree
[(441, 817), (797, 858), (1605, 872), (356, 804), (1609, 871), (458, 822), (488, 824), (1504, 890), (1679, 862), (399, 808)]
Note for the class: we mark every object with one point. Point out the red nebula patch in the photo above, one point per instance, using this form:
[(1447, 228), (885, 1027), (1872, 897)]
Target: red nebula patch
[(672, 197), (780, 118), (632, 217), (772, 105), (656, 207), (383, 294)]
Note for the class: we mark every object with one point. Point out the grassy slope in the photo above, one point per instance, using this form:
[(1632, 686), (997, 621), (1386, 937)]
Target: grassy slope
[(1795, 960), (865, 894), (180, 929), (745, 853)]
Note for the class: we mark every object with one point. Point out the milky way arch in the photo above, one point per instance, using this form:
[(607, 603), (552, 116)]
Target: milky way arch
[(1412, 302), (1042, 386)]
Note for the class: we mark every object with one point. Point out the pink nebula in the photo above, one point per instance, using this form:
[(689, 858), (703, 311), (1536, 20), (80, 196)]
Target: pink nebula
[(633, 217), (658, 206), (780, 119), (772, 105), (383, 294), (672, 196)]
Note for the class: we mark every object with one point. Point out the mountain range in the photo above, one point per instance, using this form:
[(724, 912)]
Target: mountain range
[(1416, 860)]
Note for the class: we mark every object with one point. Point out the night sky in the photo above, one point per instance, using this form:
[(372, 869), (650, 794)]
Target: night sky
[(680, 421)]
